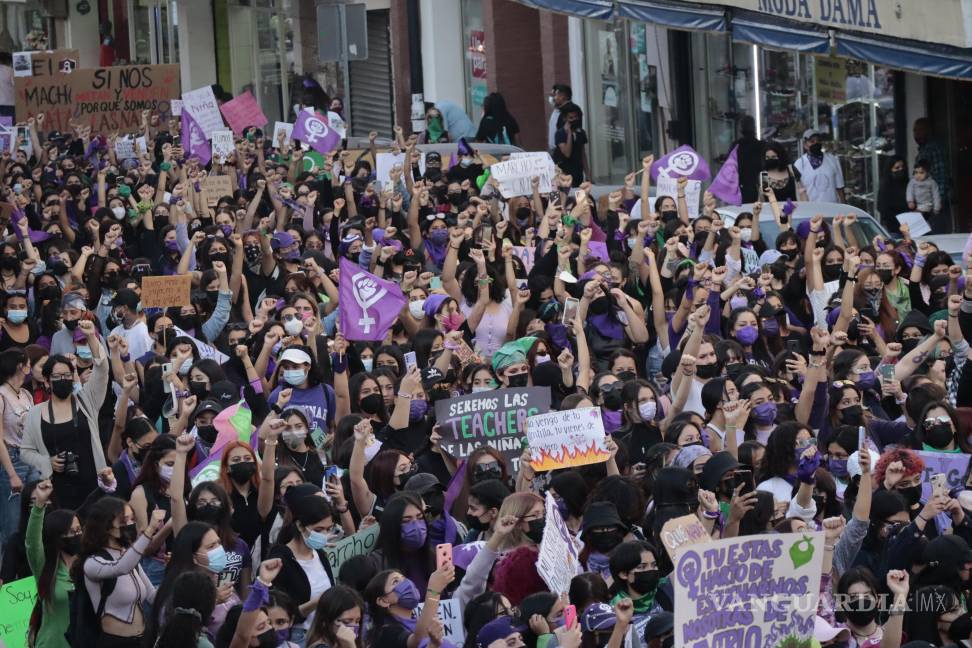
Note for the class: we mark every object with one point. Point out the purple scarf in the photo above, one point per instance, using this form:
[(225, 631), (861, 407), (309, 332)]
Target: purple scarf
[(607, 325), (437, 255)]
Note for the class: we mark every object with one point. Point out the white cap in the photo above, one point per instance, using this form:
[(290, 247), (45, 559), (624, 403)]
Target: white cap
[(810, 132), (297, 356), (854, 463)]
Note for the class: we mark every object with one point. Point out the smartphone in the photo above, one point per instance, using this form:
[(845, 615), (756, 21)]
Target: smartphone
[(745, 477), (443, 555), (861, 438), (793, 346), (571, 304), (784, 218), (887, 373), (435, 283), (570, 616), (177, 141), (486, 234), (410, 361), (939, 484), (764, 181), (331, 471)]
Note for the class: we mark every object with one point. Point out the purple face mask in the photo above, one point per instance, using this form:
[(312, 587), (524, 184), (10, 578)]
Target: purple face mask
[(417, 409), (738, 301), (765, 413), (408, 595), (771, 327), (747, 335), (414, 534)]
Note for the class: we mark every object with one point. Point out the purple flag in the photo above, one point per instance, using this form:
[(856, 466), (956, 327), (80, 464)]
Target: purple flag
[(194, 139), (725, 187), (683, 161), (312, 128), (369, 305)]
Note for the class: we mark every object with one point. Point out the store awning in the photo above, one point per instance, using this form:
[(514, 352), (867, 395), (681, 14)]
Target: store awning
[(778, 34), (681, 15), (597, 9), (923, 58)]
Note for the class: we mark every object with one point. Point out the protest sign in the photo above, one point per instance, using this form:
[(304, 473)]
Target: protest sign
[(194, 140), (176, 107), (598, 250), (125, 148), (359, 544), (496, 418), (952, 464), (557, 561), (756, 590), (8, 138), (683, 161), (725, 187), (917, 225), (515, 176), (215, 187), (18, 598), (566, 439), (681, 532), (526, 254), (668, 186), (201, 104), (166, 290), (42, 64), (106, 99), (223, 145), (282, 127), (205, 350), (450, 614), (384, 163), (243, 111)]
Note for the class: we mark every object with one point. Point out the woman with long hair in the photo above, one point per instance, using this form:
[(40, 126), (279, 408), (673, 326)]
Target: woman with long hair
[(497, 125), (392, 599), (250, 486), (150, 492), (337, 620), (297, 447), (193, 600), (403, 540), (15, 401)]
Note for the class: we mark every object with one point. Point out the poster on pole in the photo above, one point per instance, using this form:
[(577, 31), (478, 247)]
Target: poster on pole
[(567, 439), (515, 176), (496, 418), (756, 590), (557, 560), (201, 104), (107, 99)]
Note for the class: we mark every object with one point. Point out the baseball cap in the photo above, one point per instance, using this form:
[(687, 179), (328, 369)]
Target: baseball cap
[(716, 468), (207, 406), (281, 240), (598, 616), (810, 132), (224, 393), (854, 463), (659, 624), (295, 355), (499, 628), (823, 631), (489, 492), (432, 376), (74, 300), (948, 550), (769, 257), (599, 515), (423, 483), (126, 297), (433, 156)]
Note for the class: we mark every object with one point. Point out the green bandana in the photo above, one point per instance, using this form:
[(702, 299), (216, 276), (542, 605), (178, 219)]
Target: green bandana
[(928, 448), (435, 129)]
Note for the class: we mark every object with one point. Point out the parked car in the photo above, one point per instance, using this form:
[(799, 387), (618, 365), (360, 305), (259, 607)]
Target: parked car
[(865, 229)]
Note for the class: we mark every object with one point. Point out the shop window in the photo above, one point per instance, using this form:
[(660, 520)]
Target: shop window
[(474, 55), (609, 153), (153, 31)]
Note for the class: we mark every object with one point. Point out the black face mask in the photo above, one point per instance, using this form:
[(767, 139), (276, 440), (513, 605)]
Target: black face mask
[(253, 253), (939, 436), (710, 370), (899, 175), (858, 615), (476, 524), (912, 494), (669, 215), (444, 394), (612, 399), (71, 546), (886, 276), (62, 388), (70, 324), (207, 433), (518, 380), (625, 376), (198, 388), (209, 513), (242, 472), (853, 415), (139, 455), (372, 404), (604, 542), (220, 256), (482, 472), (536, 531), (831, 271), (645, 582), (816, 149), (771, 164), (268, 639), (909, 345), (128, 534)]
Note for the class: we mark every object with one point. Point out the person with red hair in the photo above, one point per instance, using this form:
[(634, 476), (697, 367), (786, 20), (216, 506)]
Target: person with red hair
[(250, 486), (900, 470)]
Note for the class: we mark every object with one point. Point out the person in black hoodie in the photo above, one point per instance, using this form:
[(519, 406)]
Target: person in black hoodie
[(892, 193), (750, 158)]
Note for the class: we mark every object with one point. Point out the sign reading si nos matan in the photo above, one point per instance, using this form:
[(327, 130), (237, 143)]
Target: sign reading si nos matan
[(107, 99)]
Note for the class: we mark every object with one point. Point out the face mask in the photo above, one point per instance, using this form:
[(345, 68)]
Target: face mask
[(242, 472), (837, 468), (207, 433), (315, 540), (294, 438), (625, 376), (612, 399), (294, 326), (909, 345), (413, 535), (452, 322), (253, 253), (209, 513), (669, 215), (707, 371), (476, 524), (294, 377), (118, 212), (831, 271), (864, 612), (18, 316), (439, 236), (284, 636), (853, 415), (408, 595), (417, 308), (939, 436), (738, 301), (867, 380), (70, 324), (417, 409), (816, 149), (912, 494), (764, 414), (746, 234), (645, 582), (747, 335), (83, 352), (372, 404), (128, 534), (165, 472), (186, 367), (518, 380), (198, 388), (771, 328), (604, 542), (217, 560), (268, 639), (647, 410), (886, 276), (71, 546), (631, 243), (62, 388), (368, 364), (535, 532)]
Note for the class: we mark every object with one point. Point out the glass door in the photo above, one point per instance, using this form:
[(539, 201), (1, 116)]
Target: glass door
[(153, 31), (261, 58)]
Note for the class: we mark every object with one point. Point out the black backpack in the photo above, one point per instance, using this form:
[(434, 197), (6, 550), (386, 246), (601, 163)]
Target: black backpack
[(84, 626)]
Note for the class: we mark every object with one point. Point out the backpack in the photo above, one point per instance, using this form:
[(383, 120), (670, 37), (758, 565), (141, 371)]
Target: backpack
[(84, 624)]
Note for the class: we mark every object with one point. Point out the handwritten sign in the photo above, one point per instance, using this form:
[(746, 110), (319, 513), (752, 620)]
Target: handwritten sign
[(106, 99), (243, 111), (282, 128), (223, 146), (359, 544), (450, 614), (516, 174), (201, 104), (384, 163), (18, 600), (952, 464), (125, 148), (682, 532), (41, 64), (526, 254), (557, 561), (496, 418), (215, 187), (757, 590), (917, 225), (566, 439), (165, 291), (668, 186), (176, 106)]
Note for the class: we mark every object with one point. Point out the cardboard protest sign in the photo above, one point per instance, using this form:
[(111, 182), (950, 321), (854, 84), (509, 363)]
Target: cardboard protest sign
[(668, 186), (176, 106), (952, 464), (205, 350), (515, 176), (106, 99), (557, 561), (18, 599), (42, 64), (223, 145), (215, 187), (166, 290), (757, 590), (384, 164), (125, 148), (359, 544), (282, 127), (201, 104), (496, 418), (682, 532), (243, 111), (566, 439), (450, 614)]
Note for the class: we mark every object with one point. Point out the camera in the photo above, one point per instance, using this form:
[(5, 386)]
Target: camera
[(71, 464)]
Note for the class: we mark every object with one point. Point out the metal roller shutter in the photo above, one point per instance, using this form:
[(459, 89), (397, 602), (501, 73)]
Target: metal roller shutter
[(371, 82)]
